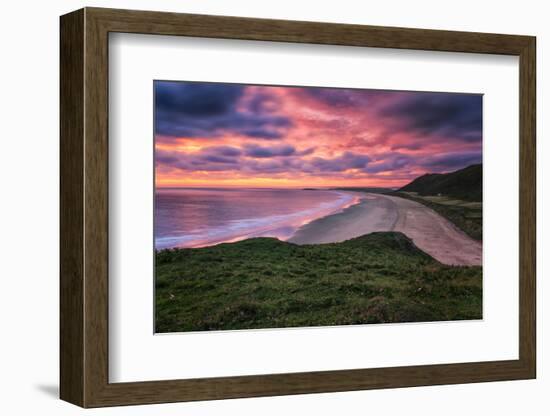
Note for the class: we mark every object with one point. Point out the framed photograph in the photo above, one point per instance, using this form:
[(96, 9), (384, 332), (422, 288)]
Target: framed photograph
[(257, 207)]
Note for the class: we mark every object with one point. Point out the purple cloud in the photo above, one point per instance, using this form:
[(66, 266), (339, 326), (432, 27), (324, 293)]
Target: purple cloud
[(189, 109), (449, 161), (342, 163), (451, 116), (254, 150)]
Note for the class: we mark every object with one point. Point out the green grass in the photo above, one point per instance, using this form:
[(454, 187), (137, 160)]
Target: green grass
[(266, 283), (467, 216)]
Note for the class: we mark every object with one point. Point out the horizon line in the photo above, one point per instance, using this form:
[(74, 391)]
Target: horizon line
[(273, 187)]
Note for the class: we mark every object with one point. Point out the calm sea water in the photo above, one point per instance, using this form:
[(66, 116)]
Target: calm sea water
[(203, 217)]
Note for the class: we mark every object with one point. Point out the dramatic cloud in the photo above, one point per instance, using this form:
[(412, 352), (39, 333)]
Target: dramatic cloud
[(253, 160), (254, 150), (341, 98), (453, 116), (389, 163), (209, 134), (210, 110), (341, 163)]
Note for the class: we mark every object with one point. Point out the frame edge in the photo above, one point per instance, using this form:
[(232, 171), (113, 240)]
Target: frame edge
[(528, 208), (72, 298)]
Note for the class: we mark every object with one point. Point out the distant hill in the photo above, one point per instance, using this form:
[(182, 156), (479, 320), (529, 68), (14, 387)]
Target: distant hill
[(465, 184)]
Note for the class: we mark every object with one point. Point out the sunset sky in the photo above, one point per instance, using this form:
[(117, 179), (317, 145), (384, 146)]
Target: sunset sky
[(214, 134)]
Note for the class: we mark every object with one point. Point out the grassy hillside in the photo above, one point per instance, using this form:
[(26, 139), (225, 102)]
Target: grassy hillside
[(266, 283), (464, 184)]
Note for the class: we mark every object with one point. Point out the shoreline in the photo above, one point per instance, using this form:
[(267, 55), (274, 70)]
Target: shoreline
[(367, 213), (282, 227), (430, 232)]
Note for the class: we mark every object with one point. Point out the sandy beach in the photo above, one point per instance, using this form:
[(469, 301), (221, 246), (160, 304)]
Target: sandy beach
[(376, 212)]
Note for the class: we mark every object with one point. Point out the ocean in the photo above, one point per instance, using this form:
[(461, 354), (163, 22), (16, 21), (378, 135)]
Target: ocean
[(199, 217)]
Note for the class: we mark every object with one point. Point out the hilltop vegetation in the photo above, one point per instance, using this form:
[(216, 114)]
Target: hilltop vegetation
[(267, 283), (464, 184)]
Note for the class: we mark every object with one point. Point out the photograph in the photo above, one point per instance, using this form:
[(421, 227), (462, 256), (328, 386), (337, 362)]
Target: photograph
[(271, 205), (310, 206)]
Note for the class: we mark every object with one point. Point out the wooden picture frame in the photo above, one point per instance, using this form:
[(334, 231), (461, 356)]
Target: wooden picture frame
[(84, 207)]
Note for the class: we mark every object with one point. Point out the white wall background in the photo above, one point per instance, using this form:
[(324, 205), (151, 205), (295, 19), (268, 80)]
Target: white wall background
[(29, 209)]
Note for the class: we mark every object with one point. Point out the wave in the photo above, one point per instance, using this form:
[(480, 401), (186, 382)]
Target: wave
[(282, 227)]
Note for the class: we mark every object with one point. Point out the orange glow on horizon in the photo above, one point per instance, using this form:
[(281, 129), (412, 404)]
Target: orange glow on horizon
[(192, 182)]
